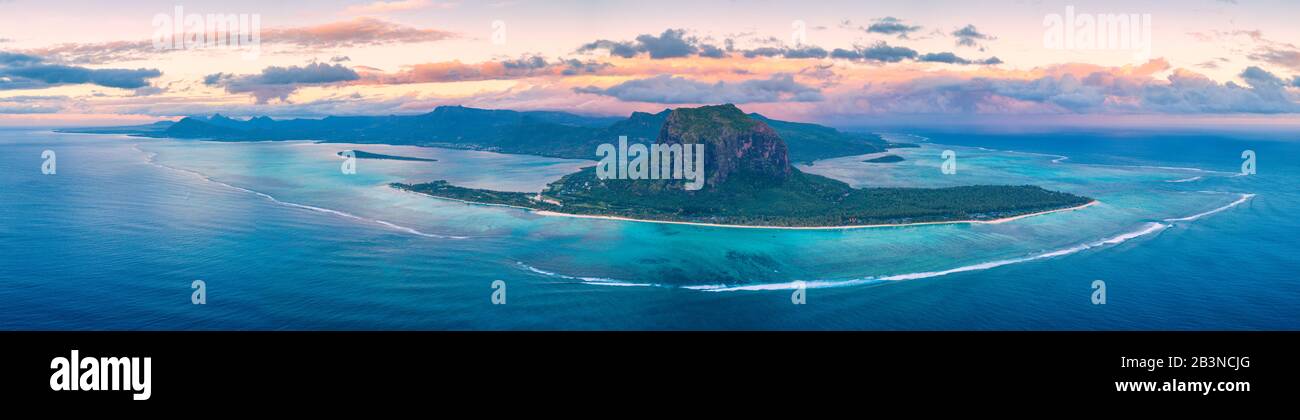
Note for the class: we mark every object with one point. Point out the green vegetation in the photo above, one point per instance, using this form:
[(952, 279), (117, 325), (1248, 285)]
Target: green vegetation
[(747, 167), (802, 200), (360, 154), (750, 182), (442, 189), (885, 159), (810, 142)]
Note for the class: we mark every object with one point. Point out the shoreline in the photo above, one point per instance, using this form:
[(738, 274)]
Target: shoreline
[(541, 212), (674, 222), (883, 225)]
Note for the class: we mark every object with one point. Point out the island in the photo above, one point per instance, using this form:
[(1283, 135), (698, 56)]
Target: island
[(538, 133), (361, 154), (885, 159), (749, 182)]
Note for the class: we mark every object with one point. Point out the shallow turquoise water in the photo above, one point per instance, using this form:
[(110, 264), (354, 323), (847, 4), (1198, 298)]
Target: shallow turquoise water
[(284, 240)]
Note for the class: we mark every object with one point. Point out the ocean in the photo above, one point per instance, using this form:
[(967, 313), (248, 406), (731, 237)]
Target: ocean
[(284, 240)]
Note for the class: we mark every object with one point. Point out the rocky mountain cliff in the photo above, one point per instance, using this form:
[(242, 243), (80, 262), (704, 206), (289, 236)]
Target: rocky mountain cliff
[(737, 147)]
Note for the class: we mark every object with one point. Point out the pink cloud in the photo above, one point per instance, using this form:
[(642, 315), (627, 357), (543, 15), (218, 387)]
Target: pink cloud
[(396, 6), (358, 31), (348, 33)]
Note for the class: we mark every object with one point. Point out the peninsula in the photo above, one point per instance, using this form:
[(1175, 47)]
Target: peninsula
[(361, 154), (749, 182)]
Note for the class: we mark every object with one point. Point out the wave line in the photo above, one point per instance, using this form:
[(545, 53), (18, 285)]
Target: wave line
[(149, 158)]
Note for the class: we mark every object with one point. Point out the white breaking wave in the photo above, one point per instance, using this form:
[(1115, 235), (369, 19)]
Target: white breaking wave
[(598, 281), (1055, 158), (812, 284), (902, 137), (1242, 199), (1173, 168), (1195, 178), (601, 281), (150, 160), (1148, 228), (1062, 158)]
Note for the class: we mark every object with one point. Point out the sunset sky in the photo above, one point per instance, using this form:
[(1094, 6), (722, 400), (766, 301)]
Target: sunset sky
[(95, 62)]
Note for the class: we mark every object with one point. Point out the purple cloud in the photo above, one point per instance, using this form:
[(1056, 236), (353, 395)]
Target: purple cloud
[(666, 89), (24, 71), (279, 82)]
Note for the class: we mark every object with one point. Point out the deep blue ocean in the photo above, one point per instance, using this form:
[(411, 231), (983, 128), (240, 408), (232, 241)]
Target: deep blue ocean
[(284, 241)]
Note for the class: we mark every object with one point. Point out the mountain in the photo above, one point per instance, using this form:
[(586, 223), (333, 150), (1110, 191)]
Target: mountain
[(156, 129), (640, 127), (749, 181), (542, 133), (734, 143), (809, 142), (215, 127)]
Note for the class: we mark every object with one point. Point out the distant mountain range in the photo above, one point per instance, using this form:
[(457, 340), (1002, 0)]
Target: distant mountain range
[(542, 133)]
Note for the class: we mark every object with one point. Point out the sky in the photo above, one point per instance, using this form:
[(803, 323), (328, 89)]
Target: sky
[(67, 62)]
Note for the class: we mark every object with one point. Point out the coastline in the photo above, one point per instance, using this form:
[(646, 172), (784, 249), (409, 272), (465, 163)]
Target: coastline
[(673, 222), (884, 225)]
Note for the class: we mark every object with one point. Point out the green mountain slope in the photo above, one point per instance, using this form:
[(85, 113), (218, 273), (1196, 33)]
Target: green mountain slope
[(750, 182), (541, 133)]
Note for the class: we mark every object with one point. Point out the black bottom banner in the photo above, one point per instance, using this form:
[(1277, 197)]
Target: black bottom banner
[(151, 368)]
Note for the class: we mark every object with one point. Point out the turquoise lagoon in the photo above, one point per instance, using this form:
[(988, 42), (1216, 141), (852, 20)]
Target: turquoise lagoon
[(285, 240)]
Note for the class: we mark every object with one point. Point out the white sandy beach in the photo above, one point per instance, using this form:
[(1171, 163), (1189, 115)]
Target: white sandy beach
[(951, 222)]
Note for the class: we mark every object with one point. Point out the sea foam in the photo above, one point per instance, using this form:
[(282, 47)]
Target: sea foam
[(150, 159)]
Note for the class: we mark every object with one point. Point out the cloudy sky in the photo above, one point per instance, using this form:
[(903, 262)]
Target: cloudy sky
[(839, 62)]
